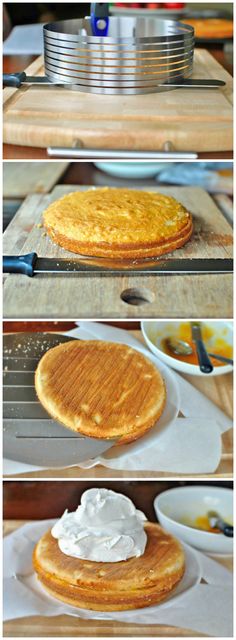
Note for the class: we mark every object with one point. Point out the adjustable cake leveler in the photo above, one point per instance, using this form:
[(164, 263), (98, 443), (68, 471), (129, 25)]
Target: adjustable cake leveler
[(117, 56)]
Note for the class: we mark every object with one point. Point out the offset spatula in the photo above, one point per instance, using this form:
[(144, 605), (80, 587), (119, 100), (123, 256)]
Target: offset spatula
[(29, 434)]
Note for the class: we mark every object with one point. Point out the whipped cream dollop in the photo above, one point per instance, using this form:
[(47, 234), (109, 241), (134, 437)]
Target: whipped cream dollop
[(106, 527)]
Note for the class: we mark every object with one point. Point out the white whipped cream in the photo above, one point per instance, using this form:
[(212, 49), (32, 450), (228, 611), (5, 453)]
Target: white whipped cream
[(106, 527)]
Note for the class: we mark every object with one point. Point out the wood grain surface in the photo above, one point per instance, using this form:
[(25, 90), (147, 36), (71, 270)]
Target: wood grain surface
[(196, 120), (48, 296), (11, 64), (13, 326), (39, 500), (67, 626), (23, 178), (219, 389)]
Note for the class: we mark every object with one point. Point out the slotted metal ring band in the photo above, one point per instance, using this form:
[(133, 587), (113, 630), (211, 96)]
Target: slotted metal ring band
[(79, 31), (120, 85), (121, 56), (119, 50), (120, 62), (113, 72), (109, 65)]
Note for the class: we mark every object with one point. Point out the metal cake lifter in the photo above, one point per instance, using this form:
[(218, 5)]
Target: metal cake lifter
[(29, 434)]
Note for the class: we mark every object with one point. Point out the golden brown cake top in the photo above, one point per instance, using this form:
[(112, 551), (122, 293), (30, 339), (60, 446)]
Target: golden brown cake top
[(112, 215), (100, 389), (162, 560)]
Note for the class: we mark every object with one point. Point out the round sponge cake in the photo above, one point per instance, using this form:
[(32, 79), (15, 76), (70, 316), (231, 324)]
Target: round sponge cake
[(117, 586), (118, 223), (101, 389)]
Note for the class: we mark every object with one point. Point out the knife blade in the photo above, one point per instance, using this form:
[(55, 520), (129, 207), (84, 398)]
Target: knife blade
[(203, 358), (31, 265), (17, 79)]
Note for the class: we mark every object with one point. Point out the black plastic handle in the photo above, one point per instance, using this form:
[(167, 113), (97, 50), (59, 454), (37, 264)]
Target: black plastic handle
[(14, 79), (212, 83), (203, 359), (221, 358), (228, 531), (20, 264)]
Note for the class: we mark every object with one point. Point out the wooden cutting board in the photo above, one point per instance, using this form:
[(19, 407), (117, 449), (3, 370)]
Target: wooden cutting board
[(199, 120), (22, 178), (68, 626), (90, 296)]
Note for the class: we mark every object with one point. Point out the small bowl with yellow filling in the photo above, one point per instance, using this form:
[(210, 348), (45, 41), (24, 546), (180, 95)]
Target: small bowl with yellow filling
[(185, 513), (217, 336)]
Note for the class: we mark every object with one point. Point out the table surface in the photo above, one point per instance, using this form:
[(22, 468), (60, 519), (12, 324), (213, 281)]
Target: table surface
[(67, 626), (219, 389), (12, 64)]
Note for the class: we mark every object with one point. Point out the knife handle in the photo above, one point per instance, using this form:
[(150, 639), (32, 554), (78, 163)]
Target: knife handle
[(203, 359), (14, 79), (20, 264), (221, 358), (193, 82), (228, 530)]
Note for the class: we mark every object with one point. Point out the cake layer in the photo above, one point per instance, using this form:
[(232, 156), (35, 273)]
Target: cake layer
[(134, 583), (118, 223), (101, 389)]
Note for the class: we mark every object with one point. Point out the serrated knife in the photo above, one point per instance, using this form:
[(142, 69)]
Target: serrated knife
[(31, 265)]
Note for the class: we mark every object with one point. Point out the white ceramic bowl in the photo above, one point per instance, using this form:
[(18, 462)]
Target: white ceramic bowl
[(131, 170), (184, 503), (154, 332)]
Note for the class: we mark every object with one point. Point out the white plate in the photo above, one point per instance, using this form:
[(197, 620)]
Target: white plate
[(32, 599), (167, 418)]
